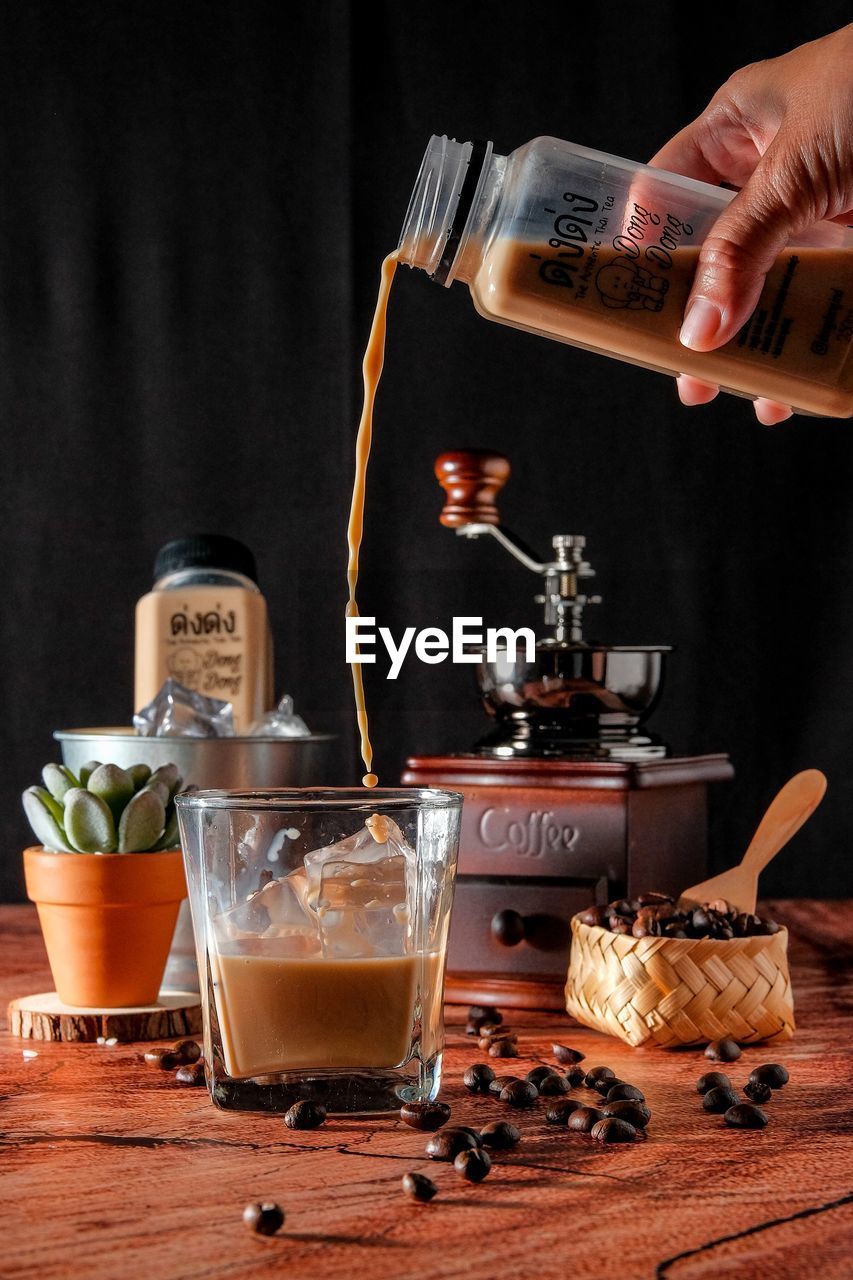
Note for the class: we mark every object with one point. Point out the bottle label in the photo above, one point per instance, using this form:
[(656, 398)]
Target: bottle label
[(616, 275)]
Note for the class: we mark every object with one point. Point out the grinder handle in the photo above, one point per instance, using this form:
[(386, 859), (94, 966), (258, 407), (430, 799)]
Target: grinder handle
[(471, 479)]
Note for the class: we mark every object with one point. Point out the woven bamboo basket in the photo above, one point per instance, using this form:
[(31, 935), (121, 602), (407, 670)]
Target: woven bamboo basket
[(680, 991)]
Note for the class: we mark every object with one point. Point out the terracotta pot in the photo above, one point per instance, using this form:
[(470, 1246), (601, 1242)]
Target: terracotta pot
[(107, 921)]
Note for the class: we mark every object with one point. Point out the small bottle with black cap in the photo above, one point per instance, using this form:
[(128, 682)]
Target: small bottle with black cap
[(205, 624), (601, 252)]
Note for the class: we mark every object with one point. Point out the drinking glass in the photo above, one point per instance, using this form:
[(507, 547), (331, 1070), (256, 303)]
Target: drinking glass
[(320, 921)]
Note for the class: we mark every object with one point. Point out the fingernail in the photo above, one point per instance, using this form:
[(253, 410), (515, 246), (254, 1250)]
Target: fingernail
[(701, 324)]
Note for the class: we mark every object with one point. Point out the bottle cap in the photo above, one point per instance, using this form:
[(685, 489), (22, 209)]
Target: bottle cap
[(205, 551)]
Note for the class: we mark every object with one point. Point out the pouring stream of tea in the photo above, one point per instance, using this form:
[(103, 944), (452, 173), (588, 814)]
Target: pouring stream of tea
[(374, 357)]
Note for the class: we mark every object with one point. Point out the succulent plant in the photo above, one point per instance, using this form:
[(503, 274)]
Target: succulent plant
[(106, 809)]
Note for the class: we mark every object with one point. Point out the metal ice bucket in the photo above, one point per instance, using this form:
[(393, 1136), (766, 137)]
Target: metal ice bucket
[(244, 764)]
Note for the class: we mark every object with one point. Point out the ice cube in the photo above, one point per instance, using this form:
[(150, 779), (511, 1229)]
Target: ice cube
[(280, 723), (361, 889), (272, 920), (179, 712)]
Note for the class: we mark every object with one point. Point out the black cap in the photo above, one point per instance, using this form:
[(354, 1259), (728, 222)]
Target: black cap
[(205, 551)]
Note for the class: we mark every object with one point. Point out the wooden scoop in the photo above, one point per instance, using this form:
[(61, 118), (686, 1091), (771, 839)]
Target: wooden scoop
[(793, 805)]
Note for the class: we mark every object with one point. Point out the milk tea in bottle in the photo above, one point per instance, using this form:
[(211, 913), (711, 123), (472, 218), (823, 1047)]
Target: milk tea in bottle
[(205, 624), (600, 252)]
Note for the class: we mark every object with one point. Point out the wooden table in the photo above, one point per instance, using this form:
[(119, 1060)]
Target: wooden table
[(109, 1170)]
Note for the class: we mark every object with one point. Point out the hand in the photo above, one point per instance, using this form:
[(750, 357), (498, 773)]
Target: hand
[(781, 131)]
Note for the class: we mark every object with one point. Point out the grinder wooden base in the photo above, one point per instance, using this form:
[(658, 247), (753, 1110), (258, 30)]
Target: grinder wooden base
[(543, 838)]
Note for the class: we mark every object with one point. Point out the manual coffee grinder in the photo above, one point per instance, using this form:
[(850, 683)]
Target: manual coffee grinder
[(569, 798)]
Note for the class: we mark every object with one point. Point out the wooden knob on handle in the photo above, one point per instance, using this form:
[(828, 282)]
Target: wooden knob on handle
[(472, 479)]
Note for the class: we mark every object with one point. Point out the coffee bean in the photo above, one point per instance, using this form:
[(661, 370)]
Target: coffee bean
[(583, 1118), (165, 1059), (636, 1113), (474, 1133), (612, 1130), (559, 1112), (598, 1073), (575, 1077), (565, 1055), (500, 1135), (426, 1116), (496, 1029), (553, 1086), (625, 1093), (712, 1080), (758, 1092), (595, 916), (604, 1084), (305, 1115), (474, 1165), (502, 1049), (192, 1073), (478, 1078), (447, 1143), (772, 1073), (265, 1218), (484, 1013), (723, 1051), (419, 1186), (538, 1074), (719, 1100), (745, 1116), (499, 1082), (521, 1094), (187, 1051)]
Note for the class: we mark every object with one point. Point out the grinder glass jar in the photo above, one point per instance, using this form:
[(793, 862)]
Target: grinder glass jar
[(320, 920), (600, 252)]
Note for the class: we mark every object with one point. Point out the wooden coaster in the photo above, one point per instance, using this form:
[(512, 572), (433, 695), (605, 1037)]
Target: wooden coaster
[(45, 1017)]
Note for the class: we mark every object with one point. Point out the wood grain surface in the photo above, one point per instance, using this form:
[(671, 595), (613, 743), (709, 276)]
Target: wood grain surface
[(109, 1170)]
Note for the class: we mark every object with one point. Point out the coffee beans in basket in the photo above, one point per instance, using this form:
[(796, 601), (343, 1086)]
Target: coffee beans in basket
[(656, 915), (426, 1116), (305, 1115), (419, 1187), (265, 1218)]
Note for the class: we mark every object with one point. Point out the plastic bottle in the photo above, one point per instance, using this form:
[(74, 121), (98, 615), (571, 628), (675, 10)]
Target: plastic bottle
[(600, 252), (205, 623)]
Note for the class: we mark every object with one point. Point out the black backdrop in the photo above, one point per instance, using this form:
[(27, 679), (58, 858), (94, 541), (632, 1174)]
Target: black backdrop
[(195, 200)]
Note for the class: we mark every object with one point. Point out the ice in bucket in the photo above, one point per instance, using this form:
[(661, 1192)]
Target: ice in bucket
[(179, 712)]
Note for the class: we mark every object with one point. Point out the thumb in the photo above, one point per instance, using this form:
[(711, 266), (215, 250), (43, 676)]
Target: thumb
[(739, 250)]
